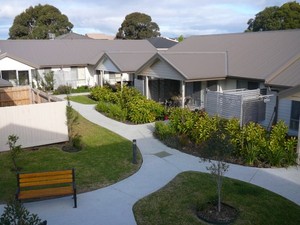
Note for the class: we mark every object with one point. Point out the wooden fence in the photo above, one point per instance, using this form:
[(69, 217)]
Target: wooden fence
[(24, 95)]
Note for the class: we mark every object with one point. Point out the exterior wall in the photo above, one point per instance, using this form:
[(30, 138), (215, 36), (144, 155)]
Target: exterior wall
[(35, 125), (270, 110), (75, 76), (11, 64), (107, 65), (162, 70)]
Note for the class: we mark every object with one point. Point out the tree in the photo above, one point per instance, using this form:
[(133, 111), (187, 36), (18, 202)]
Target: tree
[(216, 149), (38, 22), (276, 18), (15, 150), (180, 38), (138, 26)]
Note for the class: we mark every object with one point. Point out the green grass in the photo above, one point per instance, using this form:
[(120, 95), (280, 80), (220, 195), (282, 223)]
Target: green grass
[(105, 159), (83, 99), (178, 201)]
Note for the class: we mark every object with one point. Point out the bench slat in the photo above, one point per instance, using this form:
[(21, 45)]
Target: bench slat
[(48, 192), (45, 174), (50, 184), (45, 182)]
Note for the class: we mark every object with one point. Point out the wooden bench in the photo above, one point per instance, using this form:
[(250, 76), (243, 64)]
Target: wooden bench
[(46, 185)]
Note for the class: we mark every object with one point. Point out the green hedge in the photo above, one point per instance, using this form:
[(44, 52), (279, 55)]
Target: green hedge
[(127, 104), (251, 143)]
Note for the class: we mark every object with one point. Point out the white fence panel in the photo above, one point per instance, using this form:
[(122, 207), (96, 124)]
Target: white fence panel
[(35, 124)]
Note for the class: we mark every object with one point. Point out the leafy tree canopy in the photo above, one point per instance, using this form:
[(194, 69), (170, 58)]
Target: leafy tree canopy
[(37, 22), (138, 26), (276, 18)]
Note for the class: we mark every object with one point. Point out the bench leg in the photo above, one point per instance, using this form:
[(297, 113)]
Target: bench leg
[(75, 200)]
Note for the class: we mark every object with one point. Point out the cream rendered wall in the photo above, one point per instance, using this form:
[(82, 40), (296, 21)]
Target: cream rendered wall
[(35, 125)]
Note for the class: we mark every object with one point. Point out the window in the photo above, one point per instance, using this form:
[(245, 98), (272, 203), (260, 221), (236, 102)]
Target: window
[(212, 85), (10, 75), (295, 113), (253, 85), (23, 78)]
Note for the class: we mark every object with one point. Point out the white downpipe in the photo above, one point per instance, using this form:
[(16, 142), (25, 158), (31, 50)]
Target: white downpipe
[(182, 93), (147, 87)]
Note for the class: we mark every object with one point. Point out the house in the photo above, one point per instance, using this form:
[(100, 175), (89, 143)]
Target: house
[(269, 61), (74, 62)]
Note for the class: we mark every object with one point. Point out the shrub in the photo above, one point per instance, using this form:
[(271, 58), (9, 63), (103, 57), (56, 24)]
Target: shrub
[(105, 94), (182, 120), (163, 130), (112, 110), (16, 213), (253, 142), (281, 151), (63, 89), (139, 112), (203, 128)]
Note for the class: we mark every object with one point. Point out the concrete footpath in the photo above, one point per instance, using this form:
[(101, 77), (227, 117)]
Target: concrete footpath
[(112, 205)]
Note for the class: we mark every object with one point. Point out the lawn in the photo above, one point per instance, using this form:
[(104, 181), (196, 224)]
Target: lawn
[(83, 99), (177, 202), (105, 159)]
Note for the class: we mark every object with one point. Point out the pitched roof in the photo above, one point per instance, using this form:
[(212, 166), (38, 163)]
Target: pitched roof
[(129, 61), (76, 52), (72, 35), (161, 42), (254, 55), (100, 36), (198, 65), (5, 83)]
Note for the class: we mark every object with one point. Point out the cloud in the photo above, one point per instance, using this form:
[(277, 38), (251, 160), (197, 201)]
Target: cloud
[(174, 17)]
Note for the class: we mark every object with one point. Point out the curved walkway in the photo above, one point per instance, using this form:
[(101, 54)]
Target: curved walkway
[(112, 205)]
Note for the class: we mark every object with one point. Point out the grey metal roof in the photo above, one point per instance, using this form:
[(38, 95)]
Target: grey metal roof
[(161, 42), (287, 75), (72, 35), (76, 52), (5, 83), (256, 55), (129, 61), (198, 65)]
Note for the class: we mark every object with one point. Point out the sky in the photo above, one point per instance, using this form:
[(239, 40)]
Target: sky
[(174, 17)]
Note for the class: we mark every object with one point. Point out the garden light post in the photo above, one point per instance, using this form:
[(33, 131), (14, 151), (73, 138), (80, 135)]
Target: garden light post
[(134, 160)]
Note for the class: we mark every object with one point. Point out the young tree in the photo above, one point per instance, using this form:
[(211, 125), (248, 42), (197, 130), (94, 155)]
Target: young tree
[(15, 149), (216, 149), (138, 26), (276, 18), (37, 22), (48, 82)]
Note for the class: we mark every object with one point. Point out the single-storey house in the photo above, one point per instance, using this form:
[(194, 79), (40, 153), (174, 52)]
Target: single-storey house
[(269, 61), (74, 62)]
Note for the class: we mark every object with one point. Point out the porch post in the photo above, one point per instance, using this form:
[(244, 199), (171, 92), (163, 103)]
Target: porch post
[(298, 145), (101, 78), (30, 77), (182, 93), (17, 77), (121, 81), (147, 87)]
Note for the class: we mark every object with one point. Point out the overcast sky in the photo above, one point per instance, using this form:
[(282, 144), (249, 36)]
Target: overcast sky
[(174, 17)]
